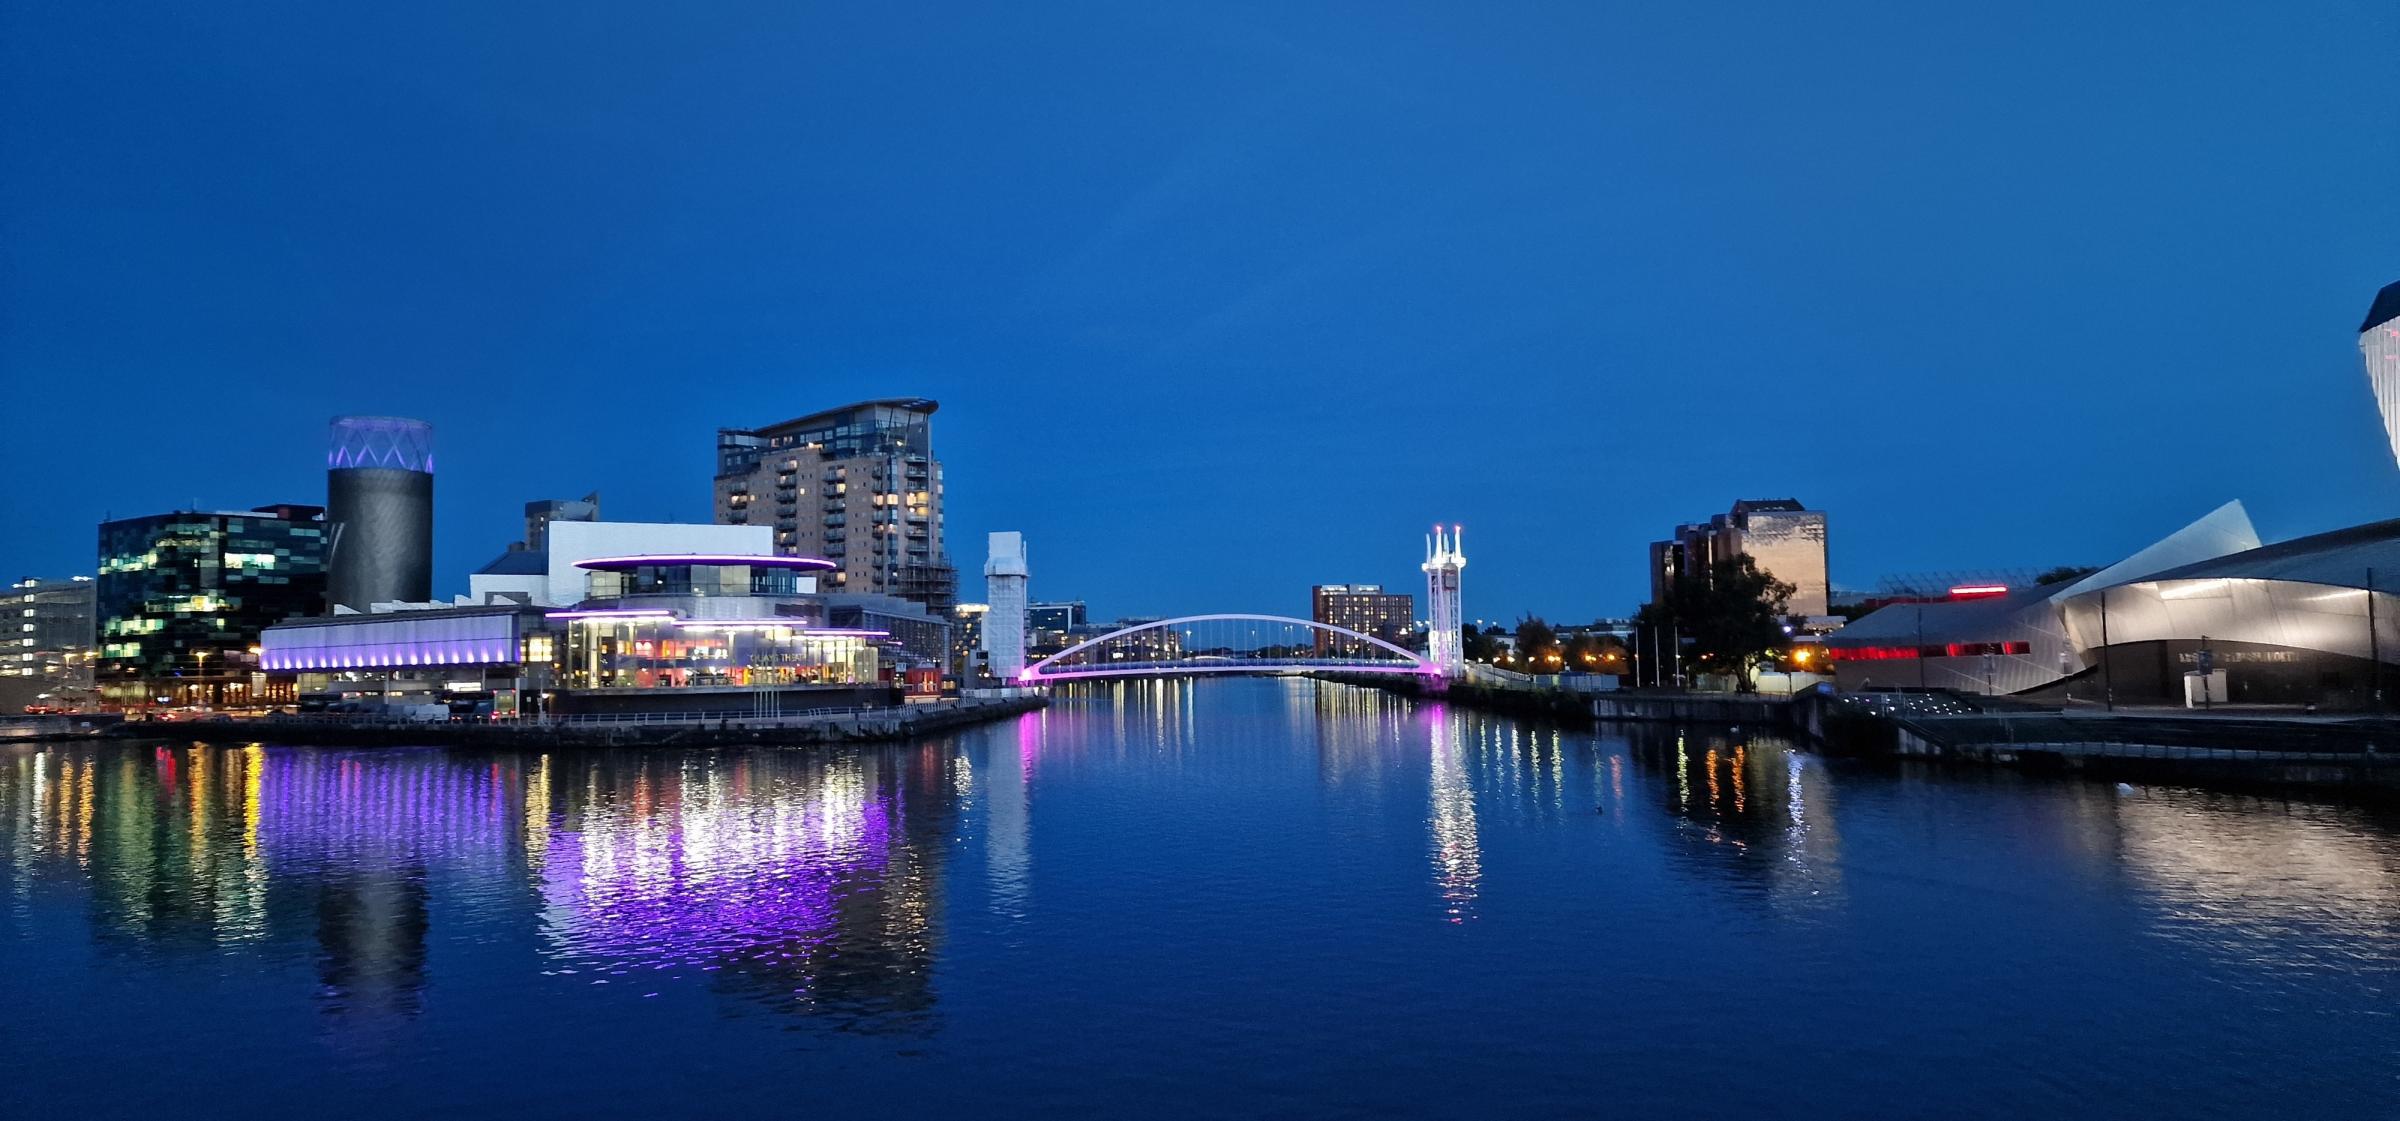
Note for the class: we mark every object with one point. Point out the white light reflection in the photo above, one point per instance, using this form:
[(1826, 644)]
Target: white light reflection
[(1457, 857), (1006, 852)]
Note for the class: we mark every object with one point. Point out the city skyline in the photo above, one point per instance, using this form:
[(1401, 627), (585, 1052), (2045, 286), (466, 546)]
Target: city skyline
[(1152, 298)]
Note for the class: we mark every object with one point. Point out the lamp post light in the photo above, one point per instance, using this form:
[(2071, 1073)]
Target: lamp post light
[(200, 686)]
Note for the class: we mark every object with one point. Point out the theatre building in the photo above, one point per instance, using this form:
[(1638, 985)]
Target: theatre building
[(701, 634)]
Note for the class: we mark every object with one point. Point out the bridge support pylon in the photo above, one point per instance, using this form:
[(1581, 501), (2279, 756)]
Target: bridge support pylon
[(1444, 561)]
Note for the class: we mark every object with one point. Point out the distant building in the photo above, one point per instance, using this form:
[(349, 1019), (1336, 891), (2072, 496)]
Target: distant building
[(1783, 538), (47, 646), (2379, 344), (1060, 617), (539, 515), (182, 598), (858, 485), (966, 640), (1365, 608), (1158, 644), (919, 637), (1049, 626)]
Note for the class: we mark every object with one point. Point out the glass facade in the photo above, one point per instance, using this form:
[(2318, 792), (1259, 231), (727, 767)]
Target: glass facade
[(183, 598), (658, 651), (699, 580)]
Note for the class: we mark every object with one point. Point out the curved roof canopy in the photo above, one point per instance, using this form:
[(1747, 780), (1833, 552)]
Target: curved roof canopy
[(704, 560), (2340, 559)]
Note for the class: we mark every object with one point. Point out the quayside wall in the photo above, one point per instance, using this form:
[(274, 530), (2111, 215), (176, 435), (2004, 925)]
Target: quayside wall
[(900, 722)]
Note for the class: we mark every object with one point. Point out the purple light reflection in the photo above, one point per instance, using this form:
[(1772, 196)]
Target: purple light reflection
[(700, 880)]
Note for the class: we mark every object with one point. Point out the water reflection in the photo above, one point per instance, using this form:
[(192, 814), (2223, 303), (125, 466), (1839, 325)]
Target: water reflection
[(2309, 888), (805, 881), (1135, 824), (1457, 852), (1750, 810), (808, 881)]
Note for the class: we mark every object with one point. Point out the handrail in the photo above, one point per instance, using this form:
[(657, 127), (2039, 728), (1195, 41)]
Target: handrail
[(1040, 669)]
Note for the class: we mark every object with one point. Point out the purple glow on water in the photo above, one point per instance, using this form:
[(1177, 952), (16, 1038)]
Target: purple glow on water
[(701, 879)]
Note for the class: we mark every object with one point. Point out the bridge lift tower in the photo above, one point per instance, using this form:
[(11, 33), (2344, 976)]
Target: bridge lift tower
[(1004, 575), (1444, 560)]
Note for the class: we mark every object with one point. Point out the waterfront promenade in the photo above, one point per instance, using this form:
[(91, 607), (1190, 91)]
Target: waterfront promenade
[(2244, 748)]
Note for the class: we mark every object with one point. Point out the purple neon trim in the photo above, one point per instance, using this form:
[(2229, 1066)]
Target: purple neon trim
[(381, 655), (610, 614), (669, 560), (795, 624)]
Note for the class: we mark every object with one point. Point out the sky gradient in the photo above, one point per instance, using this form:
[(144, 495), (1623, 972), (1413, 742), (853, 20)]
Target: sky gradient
[(1220, 300)]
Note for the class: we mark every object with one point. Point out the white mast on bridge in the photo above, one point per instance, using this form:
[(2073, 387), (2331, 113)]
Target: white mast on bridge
[(1443, 561), (1004, 575)]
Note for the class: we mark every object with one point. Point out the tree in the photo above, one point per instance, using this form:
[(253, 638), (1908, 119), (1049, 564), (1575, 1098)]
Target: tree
[(1537, 643), (2064, 573), (1596, 653), (1731, 614), (1477, 646)]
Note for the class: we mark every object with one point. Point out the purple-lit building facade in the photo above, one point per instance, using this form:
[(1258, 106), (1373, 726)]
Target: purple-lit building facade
[(493, 659), (675, 632)]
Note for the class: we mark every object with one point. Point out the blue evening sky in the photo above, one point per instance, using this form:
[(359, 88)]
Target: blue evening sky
[(1220, 299)]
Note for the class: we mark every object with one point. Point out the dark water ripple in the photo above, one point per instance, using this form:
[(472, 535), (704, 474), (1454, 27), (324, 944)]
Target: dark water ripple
[(1254, 898)]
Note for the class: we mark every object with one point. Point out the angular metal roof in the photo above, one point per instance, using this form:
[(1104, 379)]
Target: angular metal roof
[(518, 562), (2340, 559), (2385, 309)]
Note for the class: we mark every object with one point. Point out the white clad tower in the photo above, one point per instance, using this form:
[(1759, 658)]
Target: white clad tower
[(1004, 575), (1444, 559), (2379, 342)]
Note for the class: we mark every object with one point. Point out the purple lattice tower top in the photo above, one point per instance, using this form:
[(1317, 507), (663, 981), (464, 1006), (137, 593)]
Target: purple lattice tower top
[(381, 441)]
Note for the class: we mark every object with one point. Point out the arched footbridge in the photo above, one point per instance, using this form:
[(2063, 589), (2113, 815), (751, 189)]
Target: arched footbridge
[(1226, 644)]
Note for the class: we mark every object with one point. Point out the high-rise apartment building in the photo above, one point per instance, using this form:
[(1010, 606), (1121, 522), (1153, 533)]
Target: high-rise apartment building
[(858, 486), (1365, 608), (47, 641), (2379, 344), (1783, 538), (182, 597)]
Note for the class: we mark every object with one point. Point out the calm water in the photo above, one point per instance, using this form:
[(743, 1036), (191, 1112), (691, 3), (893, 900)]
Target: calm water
[(1232, 897)]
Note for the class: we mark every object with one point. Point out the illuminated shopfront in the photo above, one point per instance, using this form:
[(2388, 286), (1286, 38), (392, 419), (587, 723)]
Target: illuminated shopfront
[(710, 622), (656, 650)]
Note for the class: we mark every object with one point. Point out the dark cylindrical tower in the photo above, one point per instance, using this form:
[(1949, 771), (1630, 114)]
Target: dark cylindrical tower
[(379, 511)]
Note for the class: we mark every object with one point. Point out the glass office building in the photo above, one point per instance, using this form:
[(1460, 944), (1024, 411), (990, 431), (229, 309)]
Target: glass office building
[(183, 598)]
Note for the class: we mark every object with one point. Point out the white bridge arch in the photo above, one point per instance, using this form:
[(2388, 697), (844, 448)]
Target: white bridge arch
[(1063, 665)]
